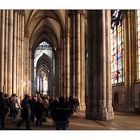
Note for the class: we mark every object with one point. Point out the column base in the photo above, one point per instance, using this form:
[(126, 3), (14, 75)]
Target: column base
[(82, 107), (110, 113), (100, 114)]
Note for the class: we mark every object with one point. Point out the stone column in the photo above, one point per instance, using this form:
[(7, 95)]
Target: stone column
[(105, 98), (91, 98), (42, 84), (6, 52), (2, 45), (128, 33), (61, 67), (22, 56), (15, 53), (39, 83), (10, 53), (72, 53), (82, 61), (26, 63), (68, 65), (107, 27), (67, 59), (30, 66), (57, 77), (77, 57), (126, 61), (58, 72), (65, 66), (37, 79), (99, 70), (17, 56), (133, 58)]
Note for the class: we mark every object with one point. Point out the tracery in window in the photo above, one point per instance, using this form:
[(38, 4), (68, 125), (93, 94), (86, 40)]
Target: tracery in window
[(117, 47)]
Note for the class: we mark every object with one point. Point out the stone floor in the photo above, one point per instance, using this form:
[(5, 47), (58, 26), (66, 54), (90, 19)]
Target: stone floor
[(122, 121)]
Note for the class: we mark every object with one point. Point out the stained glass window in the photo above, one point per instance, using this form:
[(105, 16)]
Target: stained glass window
[(117, 47), (138, 25)]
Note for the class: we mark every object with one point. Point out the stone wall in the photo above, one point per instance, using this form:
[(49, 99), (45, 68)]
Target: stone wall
[(137, 96), (118, 97)]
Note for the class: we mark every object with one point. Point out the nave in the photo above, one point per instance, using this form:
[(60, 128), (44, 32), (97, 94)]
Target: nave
[(91, 55)]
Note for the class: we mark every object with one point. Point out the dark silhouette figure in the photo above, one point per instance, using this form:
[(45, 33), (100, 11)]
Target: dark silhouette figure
[(3, 110), (40, 109), (25, 113), (61, 115)]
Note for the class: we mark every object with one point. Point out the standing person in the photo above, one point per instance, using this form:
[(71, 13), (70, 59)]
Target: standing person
[(18, 108), (26, 112), (15, 107), (76, 104), (7, 98), (40, 108), (53, 104), (62, 115), (46, 106), (32, 107), (3, 110)]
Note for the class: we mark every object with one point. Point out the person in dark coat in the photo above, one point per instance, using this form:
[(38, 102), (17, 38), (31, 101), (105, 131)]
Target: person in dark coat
[(26, 112), (33, 109), (3, 110), (61, 115), (40, 108)]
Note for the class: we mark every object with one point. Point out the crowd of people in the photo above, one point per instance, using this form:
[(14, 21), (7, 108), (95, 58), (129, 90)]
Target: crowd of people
[(36, 109)]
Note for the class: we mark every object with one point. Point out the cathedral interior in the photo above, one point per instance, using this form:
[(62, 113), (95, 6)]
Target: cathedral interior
[(91, 55)]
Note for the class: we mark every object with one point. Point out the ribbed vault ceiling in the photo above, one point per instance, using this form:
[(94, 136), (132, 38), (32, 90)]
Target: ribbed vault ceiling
[(44, 25)]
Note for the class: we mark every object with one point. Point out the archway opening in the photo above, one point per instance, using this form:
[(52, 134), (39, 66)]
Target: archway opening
[(44, 70)]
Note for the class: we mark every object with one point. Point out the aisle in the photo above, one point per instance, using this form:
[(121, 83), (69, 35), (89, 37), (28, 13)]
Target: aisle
[(122, 121)]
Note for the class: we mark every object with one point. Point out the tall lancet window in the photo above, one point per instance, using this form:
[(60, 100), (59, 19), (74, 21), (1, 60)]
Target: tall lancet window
[(117, 46), (138, 41)]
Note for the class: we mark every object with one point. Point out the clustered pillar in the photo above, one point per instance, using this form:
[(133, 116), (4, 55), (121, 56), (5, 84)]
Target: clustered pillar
[(99, 102), (2, 45), (129, 69), (11, 32), (78, 48), (71, 58)]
